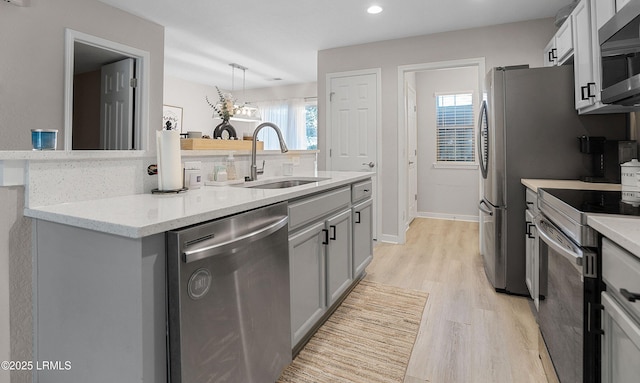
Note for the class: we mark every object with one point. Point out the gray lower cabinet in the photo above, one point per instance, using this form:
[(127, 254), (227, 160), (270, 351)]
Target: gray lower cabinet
[(307, 265), (99, 305), (330, 245), (320, 270), (362, 236), (339, 265)]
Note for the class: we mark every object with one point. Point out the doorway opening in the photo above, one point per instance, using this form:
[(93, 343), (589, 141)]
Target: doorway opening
[(428, 186), (106, 94)]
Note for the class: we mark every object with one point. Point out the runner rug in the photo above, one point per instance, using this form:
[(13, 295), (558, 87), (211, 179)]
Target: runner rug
[(368, 339)]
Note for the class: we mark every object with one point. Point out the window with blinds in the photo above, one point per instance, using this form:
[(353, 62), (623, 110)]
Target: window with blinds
[(455, 139)]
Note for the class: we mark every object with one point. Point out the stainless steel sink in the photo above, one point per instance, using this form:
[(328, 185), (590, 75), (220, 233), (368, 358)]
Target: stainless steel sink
[(281, 183)]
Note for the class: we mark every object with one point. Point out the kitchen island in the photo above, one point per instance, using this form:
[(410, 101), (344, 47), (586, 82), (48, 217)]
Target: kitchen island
[(141, 215), (100, 270)]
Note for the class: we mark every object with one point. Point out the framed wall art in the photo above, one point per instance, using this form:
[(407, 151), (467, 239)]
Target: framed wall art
[(172, 118)]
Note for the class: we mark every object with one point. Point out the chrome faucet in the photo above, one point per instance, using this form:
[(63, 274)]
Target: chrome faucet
[(283, 147)]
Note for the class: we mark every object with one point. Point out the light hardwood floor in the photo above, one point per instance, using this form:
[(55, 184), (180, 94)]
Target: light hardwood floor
[(469, 333)]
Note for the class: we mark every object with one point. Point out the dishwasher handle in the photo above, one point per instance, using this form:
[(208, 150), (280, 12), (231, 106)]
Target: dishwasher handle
[(226, 246)]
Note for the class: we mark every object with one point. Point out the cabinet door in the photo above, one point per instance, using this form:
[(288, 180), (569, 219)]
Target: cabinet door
[(604, 11), (362, 237), (565, 41), (583, 56), (535, 265), (550, 56), (307, 275), (620, 343), (338, 255), (528, 254), (619, 4)]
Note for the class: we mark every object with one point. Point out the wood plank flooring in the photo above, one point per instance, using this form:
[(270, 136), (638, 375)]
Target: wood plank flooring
[(469, 333)]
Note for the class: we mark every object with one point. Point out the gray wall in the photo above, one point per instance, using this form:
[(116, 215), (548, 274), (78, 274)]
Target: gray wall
[(32, 49), (31, 96), (443, 192), (508, 44)]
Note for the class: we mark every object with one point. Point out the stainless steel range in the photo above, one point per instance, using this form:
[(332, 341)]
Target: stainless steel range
[(569, 317)]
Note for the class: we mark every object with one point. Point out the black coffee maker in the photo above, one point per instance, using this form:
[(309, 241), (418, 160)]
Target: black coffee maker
[(606, 156)]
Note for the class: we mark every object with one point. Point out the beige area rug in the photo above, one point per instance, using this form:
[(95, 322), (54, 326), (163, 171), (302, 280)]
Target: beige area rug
[(368, 339)]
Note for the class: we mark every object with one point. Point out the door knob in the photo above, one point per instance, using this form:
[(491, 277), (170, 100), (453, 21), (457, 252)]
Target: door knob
[(370, 164)]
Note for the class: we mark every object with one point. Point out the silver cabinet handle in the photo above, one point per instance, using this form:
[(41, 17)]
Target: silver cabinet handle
[(370, 164)]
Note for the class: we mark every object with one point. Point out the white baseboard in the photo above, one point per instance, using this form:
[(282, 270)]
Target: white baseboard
[(451, 217), (387, 238)]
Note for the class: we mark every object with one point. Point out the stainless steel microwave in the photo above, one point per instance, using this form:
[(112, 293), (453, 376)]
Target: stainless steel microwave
[(620, 54)]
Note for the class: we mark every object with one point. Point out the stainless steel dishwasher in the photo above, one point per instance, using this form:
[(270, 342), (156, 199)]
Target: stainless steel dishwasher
[(229, 308)]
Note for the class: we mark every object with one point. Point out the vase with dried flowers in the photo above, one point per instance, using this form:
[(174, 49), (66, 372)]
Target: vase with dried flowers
[(225, 109)]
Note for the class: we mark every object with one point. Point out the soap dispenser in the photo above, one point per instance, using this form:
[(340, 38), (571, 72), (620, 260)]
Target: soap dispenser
[(231, 167)]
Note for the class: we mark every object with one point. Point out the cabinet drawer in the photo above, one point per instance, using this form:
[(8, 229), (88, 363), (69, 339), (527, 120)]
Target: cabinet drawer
[(621, 270), (312, 208), (361, 190)]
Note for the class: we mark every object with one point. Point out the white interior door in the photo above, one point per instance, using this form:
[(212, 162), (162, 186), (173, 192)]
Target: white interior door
[(116, 105), (353, 126), (412, 155)]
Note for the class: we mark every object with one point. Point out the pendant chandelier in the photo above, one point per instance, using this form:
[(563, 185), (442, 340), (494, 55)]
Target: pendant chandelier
[(244, 111)]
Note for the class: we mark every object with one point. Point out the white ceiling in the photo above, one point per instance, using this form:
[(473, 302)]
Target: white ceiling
[(280, 38)]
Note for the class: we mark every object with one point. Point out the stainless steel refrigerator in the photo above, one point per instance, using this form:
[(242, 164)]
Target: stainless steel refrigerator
[(528, 128)]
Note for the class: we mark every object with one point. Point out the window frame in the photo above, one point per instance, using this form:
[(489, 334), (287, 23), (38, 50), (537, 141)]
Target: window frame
[(267, 135), (457, 164)]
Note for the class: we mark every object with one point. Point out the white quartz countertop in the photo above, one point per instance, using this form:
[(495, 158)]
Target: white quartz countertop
[(623, 230), (141, 215), (534, 184)]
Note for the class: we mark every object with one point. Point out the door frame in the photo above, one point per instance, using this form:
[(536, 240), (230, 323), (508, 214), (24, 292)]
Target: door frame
[(403, 169), (407, 89), (327, 142), (142, 74)]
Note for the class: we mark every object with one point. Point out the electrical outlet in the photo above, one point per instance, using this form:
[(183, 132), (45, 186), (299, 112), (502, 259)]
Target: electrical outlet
[(19, 3), (295, 160)]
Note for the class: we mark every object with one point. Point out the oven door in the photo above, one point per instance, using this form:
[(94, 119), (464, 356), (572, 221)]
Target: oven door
[(561, 312)]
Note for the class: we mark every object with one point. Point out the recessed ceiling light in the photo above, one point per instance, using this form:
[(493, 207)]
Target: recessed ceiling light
[(374, 9)]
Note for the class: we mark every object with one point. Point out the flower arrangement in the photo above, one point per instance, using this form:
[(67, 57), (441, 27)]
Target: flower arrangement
[(225, 108)]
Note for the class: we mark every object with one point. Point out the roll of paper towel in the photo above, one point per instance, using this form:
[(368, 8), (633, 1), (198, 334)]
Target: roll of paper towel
[(169, 163)]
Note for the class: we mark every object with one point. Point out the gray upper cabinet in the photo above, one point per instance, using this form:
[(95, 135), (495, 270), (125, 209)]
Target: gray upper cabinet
[(576, 41), (550, 57)]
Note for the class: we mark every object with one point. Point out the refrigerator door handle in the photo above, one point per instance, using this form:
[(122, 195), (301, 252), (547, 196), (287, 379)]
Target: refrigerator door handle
[(483, 150), (486, 211)]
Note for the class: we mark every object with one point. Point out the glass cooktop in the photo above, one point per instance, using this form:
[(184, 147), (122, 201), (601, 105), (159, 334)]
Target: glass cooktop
[(596, 201)]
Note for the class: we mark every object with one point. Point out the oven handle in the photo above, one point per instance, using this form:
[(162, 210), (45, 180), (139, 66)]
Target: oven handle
[(573, 256)]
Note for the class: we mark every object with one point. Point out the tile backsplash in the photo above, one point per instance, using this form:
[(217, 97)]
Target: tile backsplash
[(59, 181)]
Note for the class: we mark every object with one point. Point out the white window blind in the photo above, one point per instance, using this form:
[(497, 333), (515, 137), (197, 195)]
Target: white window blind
[(455, 128)]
